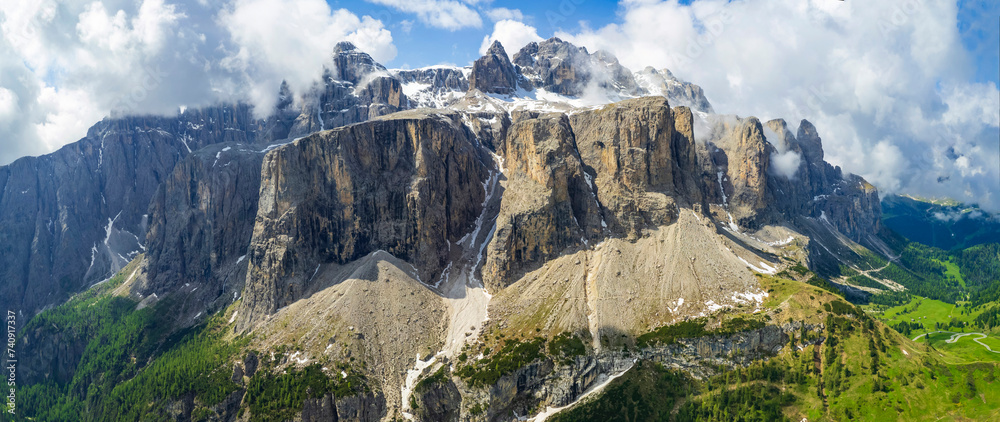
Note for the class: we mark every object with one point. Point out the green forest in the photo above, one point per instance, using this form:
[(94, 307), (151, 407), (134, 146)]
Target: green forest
[(134, 366)]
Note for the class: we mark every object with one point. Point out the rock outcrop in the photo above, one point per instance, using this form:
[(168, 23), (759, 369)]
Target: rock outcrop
[(353, 65), (555, 65), (493, 73), (409, 185), (748, 161), (368, 407), (818, 189), (438, 401)]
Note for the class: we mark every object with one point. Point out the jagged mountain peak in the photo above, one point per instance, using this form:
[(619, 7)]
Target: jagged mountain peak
[(343, 47), (812, 144), (606, 57), (497, 49), (493, 73), (553, 47), (353, 65), (663, 82)]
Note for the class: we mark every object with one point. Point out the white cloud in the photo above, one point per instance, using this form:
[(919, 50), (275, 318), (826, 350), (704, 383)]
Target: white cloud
[(446, 14), (503, 13), (8, 105), (70, 63), (972, 104), (66, 64), (296, 47), (513, 35), (406, 26), (118, 35), (953, 215), (886, 83), (784, 162), (70, 113)]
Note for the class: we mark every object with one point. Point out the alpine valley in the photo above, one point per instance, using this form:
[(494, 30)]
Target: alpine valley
[(542, 236)]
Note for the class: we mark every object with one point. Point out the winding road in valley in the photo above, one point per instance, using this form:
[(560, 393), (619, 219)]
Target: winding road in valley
[(956, 336)]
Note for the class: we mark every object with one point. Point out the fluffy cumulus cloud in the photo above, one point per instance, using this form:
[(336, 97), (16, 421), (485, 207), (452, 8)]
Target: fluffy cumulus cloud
[(66, 64), (512, 34), (447, 14), (887, 83), (8, 106)]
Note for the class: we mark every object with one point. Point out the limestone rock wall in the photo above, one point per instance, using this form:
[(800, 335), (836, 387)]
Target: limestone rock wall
[(548, 205), (409, 185)]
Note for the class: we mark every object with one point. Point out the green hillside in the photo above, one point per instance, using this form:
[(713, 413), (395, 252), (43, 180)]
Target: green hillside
[(863, 371)]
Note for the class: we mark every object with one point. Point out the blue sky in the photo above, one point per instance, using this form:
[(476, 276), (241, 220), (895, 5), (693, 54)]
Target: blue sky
[(979, 25)]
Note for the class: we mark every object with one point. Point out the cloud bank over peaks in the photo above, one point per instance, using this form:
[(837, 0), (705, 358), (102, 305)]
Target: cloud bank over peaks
[(266, 50), (66, 64), (889, 84)]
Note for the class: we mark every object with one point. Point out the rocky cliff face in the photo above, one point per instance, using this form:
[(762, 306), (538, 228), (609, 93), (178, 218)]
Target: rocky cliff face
[(631, 148), (563, 68), (818, 189), (754, 191), (353, 65), (548, 205), (409, 185), (546, 383), (438, 401), (200, 223), (748, 159), (359, 408), (75, 217), (612, 172), (437, 78)]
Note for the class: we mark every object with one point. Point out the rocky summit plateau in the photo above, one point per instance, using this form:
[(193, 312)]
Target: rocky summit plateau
[(513, 240)]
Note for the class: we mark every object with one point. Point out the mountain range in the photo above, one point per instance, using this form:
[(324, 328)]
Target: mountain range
[(406, 241)]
